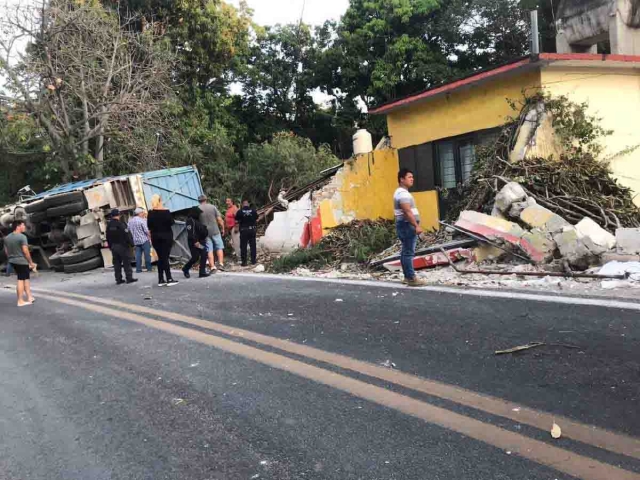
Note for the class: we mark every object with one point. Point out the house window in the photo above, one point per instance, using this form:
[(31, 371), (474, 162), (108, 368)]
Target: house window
[(444, 163), (455, 157)]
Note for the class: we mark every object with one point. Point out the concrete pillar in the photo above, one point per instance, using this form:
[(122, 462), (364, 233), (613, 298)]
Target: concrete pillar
[(625, 40)]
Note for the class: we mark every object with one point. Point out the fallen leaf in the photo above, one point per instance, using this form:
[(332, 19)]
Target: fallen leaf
[(556, 431)]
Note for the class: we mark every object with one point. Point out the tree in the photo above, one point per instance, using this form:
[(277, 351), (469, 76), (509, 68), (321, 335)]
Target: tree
[(85, 77)]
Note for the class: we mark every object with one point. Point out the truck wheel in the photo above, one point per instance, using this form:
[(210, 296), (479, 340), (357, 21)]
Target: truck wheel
[(55, 260), (67, 209), (73, 257), (35, 207), (6, 220), (64, 198), (85, 266)]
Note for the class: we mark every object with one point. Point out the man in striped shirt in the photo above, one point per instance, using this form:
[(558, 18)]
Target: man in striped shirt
[(407, 226)]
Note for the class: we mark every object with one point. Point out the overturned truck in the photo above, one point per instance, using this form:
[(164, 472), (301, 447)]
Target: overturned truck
[(66, 225)]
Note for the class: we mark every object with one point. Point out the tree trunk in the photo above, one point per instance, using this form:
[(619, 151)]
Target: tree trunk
[(99, 152)]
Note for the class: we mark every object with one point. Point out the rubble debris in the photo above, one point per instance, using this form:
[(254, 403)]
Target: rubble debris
[(433, 259), (628, 241), (510, 194), (594, 237)]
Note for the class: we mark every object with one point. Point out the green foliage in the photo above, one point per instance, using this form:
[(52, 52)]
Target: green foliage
[(283, 163), (357, 241)]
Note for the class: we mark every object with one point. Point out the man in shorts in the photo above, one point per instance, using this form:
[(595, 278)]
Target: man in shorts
[(16, 247), (212, 219)]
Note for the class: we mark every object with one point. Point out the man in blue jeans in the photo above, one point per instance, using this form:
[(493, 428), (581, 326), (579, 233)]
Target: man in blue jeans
[(407, 226), (141, 239)]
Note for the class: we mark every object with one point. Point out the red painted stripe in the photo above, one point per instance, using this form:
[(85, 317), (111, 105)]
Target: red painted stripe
[(499, 71), (451, 86)]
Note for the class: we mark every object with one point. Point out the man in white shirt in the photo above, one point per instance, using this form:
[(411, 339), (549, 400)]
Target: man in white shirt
[(407, 226)]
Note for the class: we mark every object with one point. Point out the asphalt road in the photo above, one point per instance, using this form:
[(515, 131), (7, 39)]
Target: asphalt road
[(375, 383)]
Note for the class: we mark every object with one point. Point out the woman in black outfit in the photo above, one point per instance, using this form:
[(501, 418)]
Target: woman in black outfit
[(159, 222)]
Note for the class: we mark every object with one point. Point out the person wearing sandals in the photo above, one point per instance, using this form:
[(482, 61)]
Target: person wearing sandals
[(160, 222), (16, 247)]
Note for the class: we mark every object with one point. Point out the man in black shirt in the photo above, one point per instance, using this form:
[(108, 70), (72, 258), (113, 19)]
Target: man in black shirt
[(247, 218), (120, 242)]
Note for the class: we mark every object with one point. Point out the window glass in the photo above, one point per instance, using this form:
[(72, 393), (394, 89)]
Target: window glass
[(447, 162), (467, 159)]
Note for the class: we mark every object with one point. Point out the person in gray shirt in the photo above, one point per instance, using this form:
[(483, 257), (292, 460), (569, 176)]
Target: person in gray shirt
[(212, 219), (16, 247)]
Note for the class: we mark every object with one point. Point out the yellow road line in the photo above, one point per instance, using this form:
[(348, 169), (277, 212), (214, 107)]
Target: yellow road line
[(561, 460), (589, 434)]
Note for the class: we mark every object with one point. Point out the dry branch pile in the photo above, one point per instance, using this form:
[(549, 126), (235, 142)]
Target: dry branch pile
[(574, 186)]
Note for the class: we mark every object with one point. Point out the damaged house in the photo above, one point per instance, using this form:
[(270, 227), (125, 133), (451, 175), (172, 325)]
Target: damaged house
[(436, 133)]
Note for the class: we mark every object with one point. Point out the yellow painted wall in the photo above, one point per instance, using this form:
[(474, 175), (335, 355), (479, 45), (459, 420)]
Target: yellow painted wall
[(614, 96), (364, 190), (477, 108)]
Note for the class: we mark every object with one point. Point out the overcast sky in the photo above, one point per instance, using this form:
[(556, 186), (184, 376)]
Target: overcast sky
[(270, 12)]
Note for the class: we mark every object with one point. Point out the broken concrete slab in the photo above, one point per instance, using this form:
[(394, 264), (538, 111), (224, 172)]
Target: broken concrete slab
[(538, 245), (619, 257), (511, 193), (572, 248), (536, 216), (518, 207), (628, 241), (535, 245), (479, 222), (594, 237)]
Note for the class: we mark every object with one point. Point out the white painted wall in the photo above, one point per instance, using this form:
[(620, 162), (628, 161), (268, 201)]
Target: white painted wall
[(285, 231)]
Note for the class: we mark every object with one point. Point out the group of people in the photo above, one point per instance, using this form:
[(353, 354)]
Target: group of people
[(205, 230)]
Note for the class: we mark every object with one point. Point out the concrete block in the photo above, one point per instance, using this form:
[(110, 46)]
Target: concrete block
[(511, 193), (518, 207), (572, 248), (538, 245), (628, 241), (594, 237), (536, 216), (488, 224)]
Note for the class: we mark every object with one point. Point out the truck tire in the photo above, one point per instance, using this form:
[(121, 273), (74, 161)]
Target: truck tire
[(67, 209), (80, 256), (64, 198), (55, 260), (85, 266), (20, 213), (36, 207), (38, 217)]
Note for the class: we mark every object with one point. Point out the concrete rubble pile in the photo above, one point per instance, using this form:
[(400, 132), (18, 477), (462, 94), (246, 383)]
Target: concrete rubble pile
[(520, 224), (522, 238)]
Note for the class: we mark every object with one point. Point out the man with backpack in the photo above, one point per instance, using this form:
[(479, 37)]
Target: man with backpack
[(197, 235)]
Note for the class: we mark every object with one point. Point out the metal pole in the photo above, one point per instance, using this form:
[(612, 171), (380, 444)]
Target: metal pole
[(535, 33)]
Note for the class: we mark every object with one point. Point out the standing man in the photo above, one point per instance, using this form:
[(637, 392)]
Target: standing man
[(232, 227), (141, 239), (407, 226), (16, 247), (120, 242), (197, 237), (211, 218), (247, 218)]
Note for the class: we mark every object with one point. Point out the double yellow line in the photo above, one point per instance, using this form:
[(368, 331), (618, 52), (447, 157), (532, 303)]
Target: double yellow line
[(560, 459)]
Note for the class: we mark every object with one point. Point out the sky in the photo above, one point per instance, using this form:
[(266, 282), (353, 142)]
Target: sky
[(316, 12)]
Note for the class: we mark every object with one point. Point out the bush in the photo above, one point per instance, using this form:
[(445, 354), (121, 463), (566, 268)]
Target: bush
[(313, 258)]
